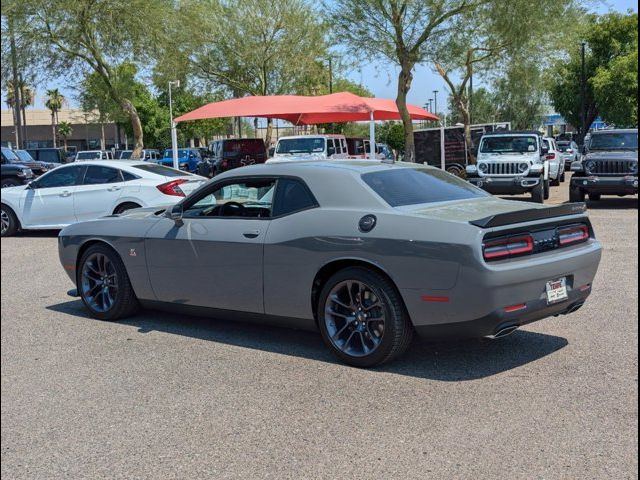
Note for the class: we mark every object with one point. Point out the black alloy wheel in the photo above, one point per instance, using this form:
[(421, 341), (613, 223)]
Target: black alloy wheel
[(362, 318), (104, 285)]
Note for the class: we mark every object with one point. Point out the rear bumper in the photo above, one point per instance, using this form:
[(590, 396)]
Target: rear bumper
[(479, 302), (504, 186), (499, 319), (627, 185)]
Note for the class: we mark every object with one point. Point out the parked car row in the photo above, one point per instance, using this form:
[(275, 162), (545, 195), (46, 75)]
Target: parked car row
[(511, 163)]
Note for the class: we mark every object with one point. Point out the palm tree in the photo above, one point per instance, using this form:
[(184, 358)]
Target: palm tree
[(26, 100), (54, 103), (65, 130)]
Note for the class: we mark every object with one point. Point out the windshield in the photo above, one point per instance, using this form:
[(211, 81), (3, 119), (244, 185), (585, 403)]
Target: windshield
[(182, 152), (24, 156), (300, 145), (244, 146), (88, 155), (614, 141), (509, 144), (564, 146), (161, 170), (409, 186), (8, 154), (126, 154)]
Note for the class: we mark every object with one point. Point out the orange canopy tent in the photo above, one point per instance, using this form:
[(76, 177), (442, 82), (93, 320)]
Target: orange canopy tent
[(301, 110)]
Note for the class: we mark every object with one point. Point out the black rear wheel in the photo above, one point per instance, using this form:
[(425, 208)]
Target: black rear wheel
[(576, 194), (124, 207), (362, 318), (538, 192), (104, 285)]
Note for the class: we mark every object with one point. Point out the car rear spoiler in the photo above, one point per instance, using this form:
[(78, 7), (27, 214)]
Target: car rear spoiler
[(531, 215)]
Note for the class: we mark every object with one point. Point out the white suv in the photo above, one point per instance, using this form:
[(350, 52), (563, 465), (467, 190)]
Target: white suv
[(512, 163), (311, 147)]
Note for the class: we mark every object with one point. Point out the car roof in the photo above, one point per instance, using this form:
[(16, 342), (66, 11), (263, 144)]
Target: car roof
[(310, 167), (621, 130), (513, 132), (319, 135)]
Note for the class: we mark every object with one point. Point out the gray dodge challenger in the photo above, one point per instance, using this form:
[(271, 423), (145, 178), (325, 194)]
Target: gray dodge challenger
[(366, 252)]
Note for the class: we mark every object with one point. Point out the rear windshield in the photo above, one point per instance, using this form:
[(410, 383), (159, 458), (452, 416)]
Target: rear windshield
[(24, 156), (244, 146), (300, 145), (160, 170), (125, 155), (408, 186), (564, 146), (509, 144), (182, 152)]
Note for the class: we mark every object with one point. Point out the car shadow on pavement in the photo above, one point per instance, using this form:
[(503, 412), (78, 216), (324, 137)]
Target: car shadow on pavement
[(448, 362), (37, 233), (613, 203)]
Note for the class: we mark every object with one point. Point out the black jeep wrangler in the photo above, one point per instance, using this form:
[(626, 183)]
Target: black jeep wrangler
[(13, 172), (609, 166)]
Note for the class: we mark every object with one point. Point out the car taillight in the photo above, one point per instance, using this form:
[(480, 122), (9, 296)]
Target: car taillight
[(573, 234), (507, 247), (551, 156), (172, 188)]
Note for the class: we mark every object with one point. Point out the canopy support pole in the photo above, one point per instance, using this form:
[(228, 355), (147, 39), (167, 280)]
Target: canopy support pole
[(372, 137)]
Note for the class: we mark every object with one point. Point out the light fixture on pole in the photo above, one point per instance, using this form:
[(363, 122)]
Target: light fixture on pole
[(174, 133)]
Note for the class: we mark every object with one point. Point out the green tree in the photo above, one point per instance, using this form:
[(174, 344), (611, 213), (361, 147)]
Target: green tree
[(391, 133), (261, 47), (611, 87), (400, 31), (99, 35), (54, 102), (494, 36), (483, 110), (65, 130)]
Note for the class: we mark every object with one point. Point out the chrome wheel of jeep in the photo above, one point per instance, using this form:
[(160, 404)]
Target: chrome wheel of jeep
[(354, 317)]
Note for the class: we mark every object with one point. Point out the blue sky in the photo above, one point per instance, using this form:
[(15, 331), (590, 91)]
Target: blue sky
[(382, 80), (380, 77)]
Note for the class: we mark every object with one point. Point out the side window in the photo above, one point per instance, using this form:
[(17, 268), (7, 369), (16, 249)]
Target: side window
[(331, 149), (97, 175), (338, 145), (61, 177), (249, 198), (128, 176), (292, 196)]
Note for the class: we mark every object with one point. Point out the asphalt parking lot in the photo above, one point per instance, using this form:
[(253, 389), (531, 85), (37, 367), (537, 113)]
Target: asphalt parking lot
[(164, 396)]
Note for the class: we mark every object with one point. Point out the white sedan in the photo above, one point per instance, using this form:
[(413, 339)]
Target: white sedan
[(85, 191)]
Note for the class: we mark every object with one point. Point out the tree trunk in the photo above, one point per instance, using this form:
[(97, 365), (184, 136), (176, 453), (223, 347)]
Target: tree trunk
[(53, 129), (468, 139), (136, 126), (269, 134), (404, 84), (66, 148), (103, 141)]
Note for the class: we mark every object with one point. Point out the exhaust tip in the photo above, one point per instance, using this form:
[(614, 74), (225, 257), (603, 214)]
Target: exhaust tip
[(574, 308), (503, 332)]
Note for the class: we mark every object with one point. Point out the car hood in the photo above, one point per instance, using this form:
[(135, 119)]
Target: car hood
[(144, 212), (612, 155), (469, 210)]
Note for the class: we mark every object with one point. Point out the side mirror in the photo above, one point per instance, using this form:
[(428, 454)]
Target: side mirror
[(32, 185), (175, 213)]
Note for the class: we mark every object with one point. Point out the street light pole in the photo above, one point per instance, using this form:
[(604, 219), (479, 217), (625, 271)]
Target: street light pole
[(330, 75), (435, 101), (174, 133), (583, 88)]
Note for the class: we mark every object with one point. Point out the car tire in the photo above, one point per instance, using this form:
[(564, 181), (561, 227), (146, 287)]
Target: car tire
[(10, 223), (10, 182), (123, 207), (538, 192), (576, 194), (386, 336), (595, 197), (547, 189), (114, 299), (563, 177)]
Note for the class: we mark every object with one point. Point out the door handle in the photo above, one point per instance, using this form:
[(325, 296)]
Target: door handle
[(66, 193), (252, 234), (114, 188)]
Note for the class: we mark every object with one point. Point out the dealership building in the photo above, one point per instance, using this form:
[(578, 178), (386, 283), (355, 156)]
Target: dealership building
[(87, 133)]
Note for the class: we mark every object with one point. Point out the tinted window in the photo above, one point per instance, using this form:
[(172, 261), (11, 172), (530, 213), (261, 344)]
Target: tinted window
[(613, 141), (88, 156), (97, 175), (24, 156), (128, 176), (292, 196), (301, 145), (61, 177), (160, 170), (126, 155), (244, 146), (410, 186), (508, 144), (53, 156)]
